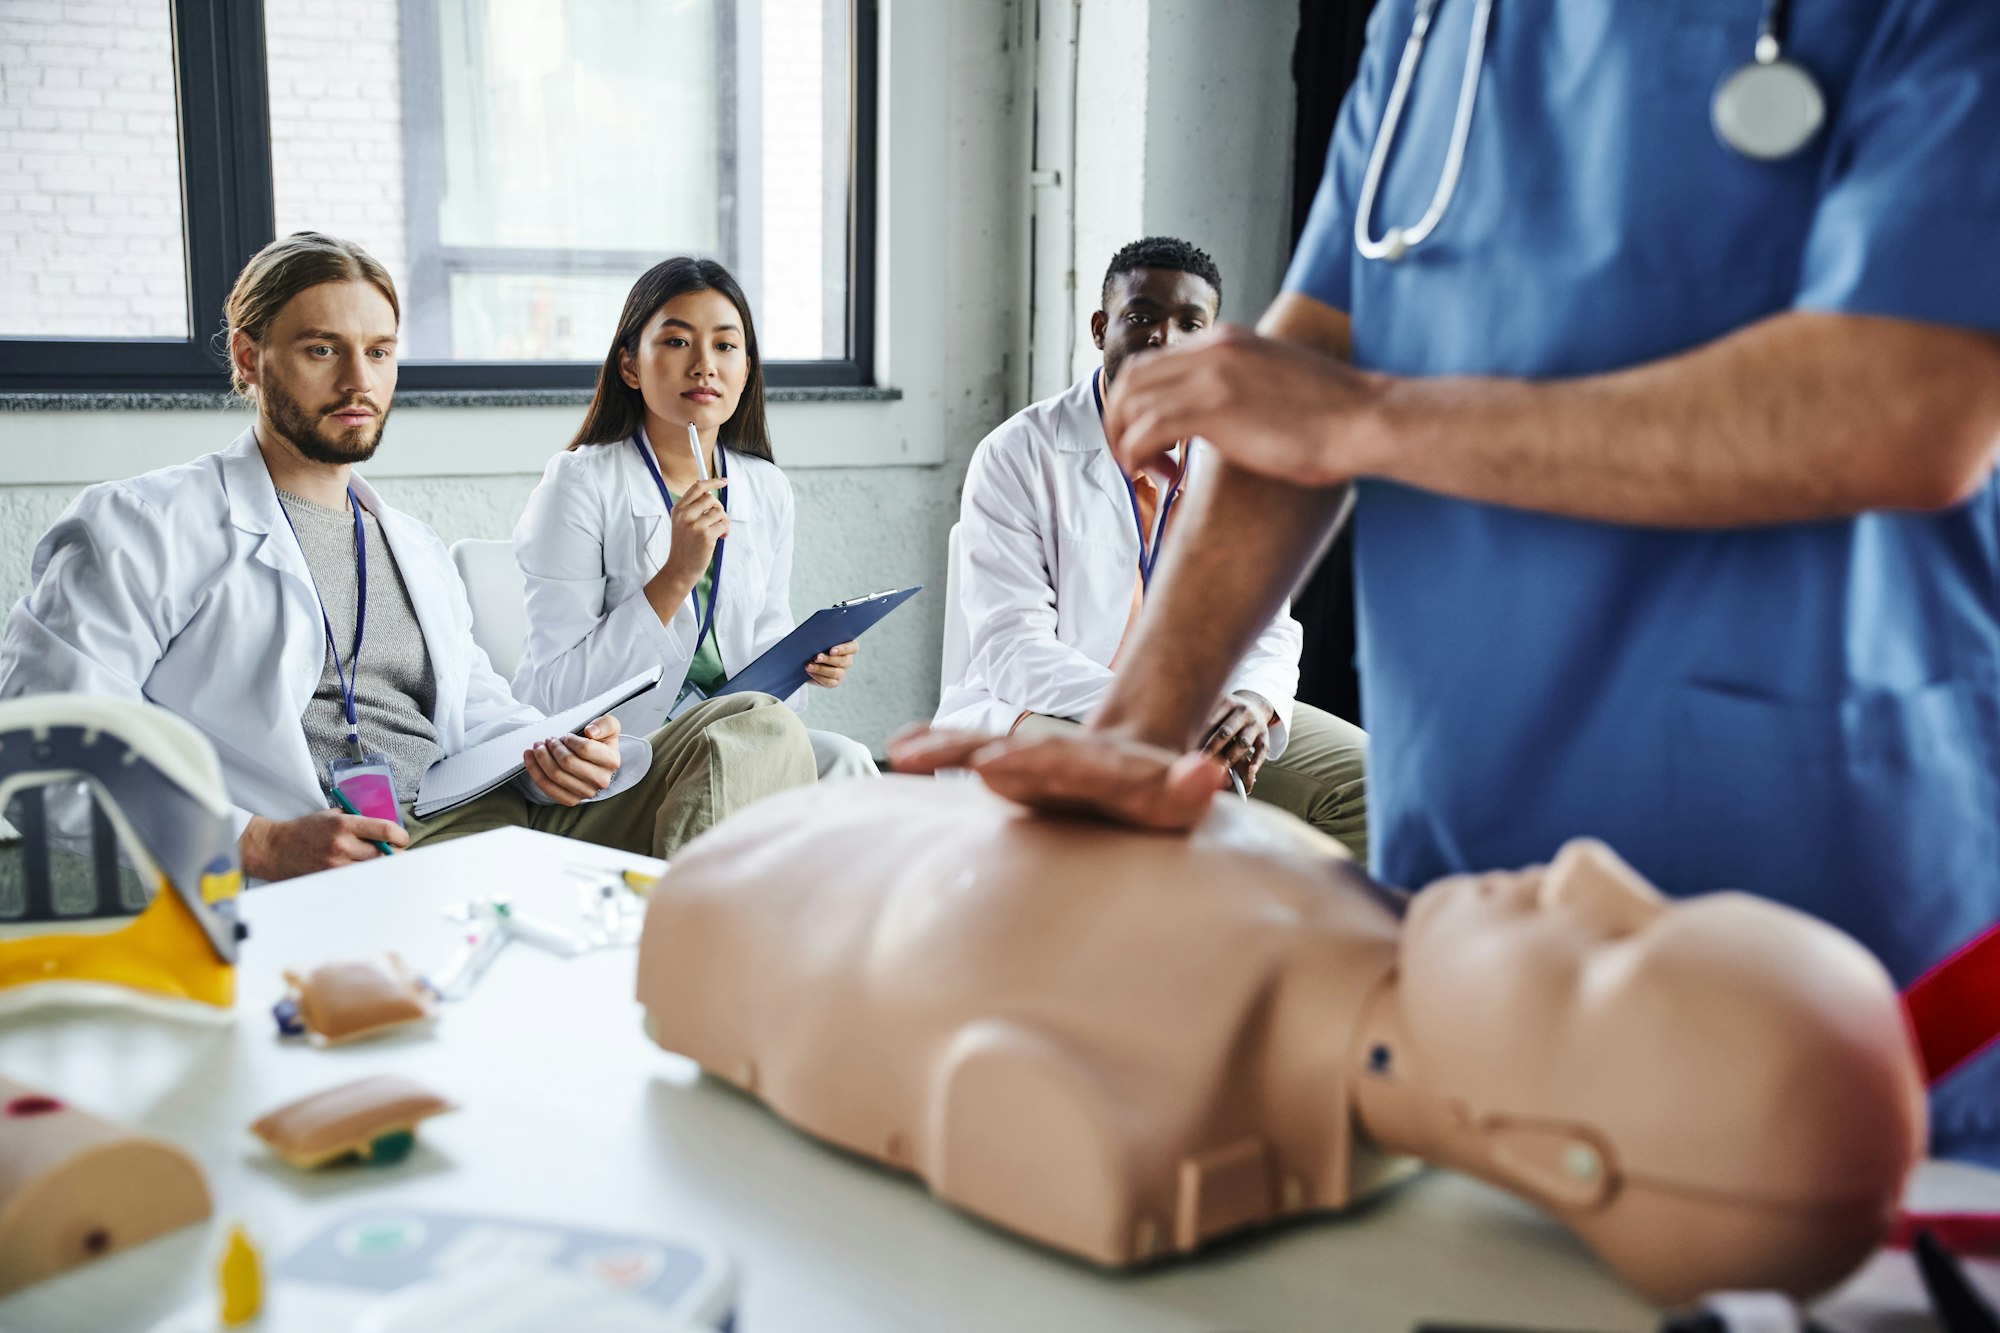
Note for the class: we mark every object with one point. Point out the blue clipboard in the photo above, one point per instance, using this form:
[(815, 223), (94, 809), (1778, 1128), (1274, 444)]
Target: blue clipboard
[(781, 668)]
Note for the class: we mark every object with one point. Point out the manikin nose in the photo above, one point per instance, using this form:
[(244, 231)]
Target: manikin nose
[(1588, 879)]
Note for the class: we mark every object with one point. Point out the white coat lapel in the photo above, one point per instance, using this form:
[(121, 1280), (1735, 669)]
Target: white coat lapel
[(297, 627), (254, 511), (1083, 438), (648, 507)]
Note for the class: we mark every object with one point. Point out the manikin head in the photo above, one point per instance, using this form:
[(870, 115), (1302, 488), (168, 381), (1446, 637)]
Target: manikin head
[(1716, 1093), (312, 345), (1157, 292)]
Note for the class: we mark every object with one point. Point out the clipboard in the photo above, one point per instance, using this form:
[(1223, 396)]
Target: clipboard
[(458, 778), (781, 668)]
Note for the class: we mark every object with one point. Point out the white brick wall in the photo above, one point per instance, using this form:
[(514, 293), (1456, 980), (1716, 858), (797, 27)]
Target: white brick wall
[(90, 215), (335, 69), (90, 221), (90, 218)]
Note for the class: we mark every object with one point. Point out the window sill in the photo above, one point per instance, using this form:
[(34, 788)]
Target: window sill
[(208, 402)]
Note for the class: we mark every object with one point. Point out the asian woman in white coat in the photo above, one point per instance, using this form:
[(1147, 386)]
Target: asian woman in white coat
[(641, 546)]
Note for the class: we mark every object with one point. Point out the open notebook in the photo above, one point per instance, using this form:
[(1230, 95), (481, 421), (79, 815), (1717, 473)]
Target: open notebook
[(458, 778)]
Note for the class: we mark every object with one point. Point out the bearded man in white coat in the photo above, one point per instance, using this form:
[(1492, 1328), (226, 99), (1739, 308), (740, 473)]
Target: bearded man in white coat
[(267, 594), (1056, 547)]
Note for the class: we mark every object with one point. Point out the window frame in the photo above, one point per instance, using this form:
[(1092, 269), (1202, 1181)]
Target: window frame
[(228, 214)]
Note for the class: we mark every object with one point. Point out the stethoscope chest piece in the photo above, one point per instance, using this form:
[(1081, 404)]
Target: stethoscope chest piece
[(1768, 111)]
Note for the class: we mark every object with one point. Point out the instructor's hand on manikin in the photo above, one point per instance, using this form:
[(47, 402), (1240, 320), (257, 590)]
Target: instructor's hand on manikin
[(698, 522), (1082, 772)]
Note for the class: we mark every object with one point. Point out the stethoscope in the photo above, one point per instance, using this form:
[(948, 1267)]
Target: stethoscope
[(1767, 109)]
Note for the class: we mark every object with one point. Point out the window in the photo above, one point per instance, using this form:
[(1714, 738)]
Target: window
[(90, 174), (514, 163)]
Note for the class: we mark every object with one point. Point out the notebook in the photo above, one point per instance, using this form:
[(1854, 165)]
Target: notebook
[(781, 668), (458, 778)]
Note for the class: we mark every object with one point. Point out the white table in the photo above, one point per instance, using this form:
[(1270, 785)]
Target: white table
[(570, 1114)]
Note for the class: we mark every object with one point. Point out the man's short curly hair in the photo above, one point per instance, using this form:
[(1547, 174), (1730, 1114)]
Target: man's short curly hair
[(1162, 252)]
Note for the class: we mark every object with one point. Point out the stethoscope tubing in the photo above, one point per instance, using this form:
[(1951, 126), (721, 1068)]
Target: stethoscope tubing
[(1399, 241)]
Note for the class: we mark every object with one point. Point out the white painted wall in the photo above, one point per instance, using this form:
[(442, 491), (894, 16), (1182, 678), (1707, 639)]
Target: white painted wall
[(1184, 113), (877, 483), (1219, 113), (1113, 68)]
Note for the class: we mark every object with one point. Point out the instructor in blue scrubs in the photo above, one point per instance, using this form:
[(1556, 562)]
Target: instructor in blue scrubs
[(1670, 441)]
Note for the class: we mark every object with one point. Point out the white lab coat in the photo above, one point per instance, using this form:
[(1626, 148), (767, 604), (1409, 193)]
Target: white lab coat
[(185, 587), (1048, 553), (594, 532)]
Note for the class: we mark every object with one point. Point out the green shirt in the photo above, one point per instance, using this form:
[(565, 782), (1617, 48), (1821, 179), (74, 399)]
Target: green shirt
[(705, 671)]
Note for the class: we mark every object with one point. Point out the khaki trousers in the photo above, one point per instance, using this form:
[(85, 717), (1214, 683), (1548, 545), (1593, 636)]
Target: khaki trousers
[(1320, 778), (711, 761)]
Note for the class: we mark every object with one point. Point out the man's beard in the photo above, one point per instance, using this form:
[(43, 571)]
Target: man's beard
[(307, 433)]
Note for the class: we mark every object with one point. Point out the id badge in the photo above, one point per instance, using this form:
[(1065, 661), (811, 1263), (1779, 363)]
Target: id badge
[(691, 694), (368, 785)]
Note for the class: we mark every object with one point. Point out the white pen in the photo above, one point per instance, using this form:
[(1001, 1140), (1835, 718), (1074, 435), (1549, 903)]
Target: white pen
[(694, 445)]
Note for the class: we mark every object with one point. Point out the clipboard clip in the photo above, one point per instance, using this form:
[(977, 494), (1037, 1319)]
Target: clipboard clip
[(867, 597)]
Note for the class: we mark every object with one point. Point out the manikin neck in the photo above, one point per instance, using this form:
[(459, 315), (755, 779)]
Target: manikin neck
[(324, 484), (670, 450), (1399, 1109), (1390, 1104)]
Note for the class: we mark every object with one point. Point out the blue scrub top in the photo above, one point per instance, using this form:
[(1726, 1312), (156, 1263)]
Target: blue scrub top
[(1810, 712)]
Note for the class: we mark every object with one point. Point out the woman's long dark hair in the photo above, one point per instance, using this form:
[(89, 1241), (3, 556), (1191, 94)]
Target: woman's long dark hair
[(617, 410)]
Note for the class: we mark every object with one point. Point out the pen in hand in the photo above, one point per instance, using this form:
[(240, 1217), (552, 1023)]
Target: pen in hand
[(348, 806), (694, 447)]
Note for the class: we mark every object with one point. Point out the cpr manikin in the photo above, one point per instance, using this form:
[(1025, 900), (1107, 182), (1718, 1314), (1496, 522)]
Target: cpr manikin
[(1124, 1044)]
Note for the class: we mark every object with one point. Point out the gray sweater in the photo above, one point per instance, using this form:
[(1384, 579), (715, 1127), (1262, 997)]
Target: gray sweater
[(396, 694)]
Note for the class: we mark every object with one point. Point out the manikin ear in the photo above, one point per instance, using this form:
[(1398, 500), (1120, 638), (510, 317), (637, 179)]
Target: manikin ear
[(1099, 321), (1565, 1165), (1588, 878)]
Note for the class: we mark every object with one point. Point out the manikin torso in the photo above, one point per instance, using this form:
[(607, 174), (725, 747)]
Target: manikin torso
[(1229, 1090), (1123, 1044)]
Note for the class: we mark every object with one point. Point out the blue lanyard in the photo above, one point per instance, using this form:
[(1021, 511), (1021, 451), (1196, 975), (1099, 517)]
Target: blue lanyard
[(351, 677), (1149, 556), (707, 621)]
